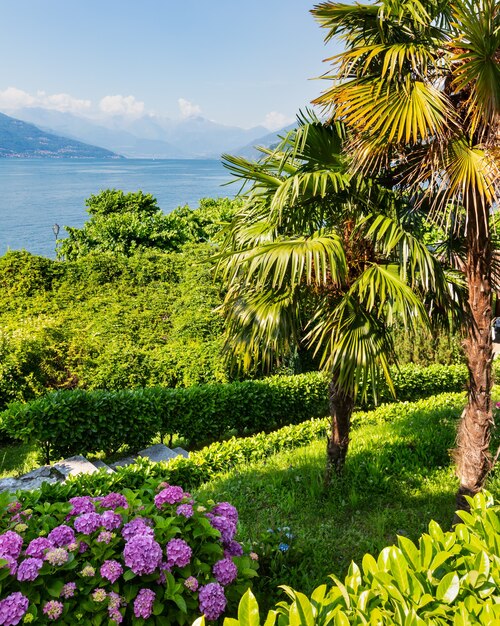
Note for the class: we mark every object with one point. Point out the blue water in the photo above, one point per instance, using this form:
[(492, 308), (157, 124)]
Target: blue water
[(36, 194)]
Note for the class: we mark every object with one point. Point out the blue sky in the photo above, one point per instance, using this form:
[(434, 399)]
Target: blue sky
[(241, 62)]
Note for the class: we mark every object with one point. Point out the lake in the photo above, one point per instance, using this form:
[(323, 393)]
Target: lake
[(38, 193)]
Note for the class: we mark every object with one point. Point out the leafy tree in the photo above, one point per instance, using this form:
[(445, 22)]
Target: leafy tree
[(419, 87), (125, 223), (120, 223), (321, 258)]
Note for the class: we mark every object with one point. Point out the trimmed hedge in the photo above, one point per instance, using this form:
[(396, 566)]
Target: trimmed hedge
[(221, 457), (78, 422)]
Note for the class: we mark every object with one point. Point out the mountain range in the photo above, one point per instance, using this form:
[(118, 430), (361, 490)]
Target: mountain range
[(23, 140), (148, 136)]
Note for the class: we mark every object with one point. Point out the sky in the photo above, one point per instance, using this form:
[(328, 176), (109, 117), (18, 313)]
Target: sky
[(236, 62)]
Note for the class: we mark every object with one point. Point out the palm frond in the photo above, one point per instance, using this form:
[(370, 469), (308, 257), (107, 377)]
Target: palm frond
[(318, 260)]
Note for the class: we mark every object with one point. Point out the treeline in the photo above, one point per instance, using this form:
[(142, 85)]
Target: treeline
[(122, 308)]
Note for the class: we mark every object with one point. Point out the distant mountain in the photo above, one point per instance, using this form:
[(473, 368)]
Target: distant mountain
[(112, 138), (19, 139), (147, 136), (270, 140)]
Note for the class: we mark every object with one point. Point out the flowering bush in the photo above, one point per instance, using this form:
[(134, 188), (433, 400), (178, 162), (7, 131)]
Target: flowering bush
[(134, 558)]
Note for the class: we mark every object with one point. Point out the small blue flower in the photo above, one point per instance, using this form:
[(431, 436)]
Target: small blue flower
[(283, 547)]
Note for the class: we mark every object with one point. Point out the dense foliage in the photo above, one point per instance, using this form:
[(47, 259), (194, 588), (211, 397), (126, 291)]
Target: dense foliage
[(153, 554), (108, 321), (78, 422), (237, 452), (448, 578)]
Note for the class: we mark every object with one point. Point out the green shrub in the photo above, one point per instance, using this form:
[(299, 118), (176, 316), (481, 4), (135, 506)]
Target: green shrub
[(68, 422), (221, 457), (449, 578), (76, 421)]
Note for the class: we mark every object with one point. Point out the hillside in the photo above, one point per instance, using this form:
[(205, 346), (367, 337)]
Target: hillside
[(19, 139)]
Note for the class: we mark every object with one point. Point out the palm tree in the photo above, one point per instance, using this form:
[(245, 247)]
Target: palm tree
[(418, 85), (320, 258)]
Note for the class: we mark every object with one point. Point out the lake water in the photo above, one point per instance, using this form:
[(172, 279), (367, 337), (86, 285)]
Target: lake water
[(36, 194)]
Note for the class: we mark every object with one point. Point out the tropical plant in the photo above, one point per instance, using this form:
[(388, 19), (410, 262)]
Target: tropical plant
[(320, 258), (418, 85)]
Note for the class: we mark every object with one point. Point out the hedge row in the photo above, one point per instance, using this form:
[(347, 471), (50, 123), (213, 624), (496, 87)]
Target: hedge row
[(221, 457), (448, 578), (78, 421)]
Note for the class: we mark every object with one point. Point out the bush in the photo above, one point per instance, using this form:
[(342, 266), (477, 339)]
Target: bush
[(127, 557), (69, 422), (221, 457), (450, 578), (76, 421)]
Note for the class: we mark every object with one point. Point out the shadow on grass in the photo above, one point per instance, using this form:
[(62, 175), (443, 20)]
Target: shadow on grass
[(398, 477)]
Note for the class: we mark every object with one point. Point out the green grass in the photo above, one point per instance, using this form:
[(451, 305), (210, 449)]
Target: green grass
[(398, 476)]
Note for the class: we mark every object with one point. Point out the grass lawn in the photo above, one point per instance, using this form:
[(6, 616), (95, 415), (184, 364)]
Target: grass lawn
[(398, 477)]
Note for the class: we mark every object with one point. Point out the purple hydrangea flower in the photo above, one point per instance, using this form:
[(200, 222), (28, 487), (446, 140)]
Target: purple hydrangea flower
[(88, 523), (57, 556), (61, 536), (53, 609), (142, 554), (111, 570), (13, 608), (114, 600), (11, 563), (104, 536), (171, 495), (83, 547), (186, 510), (178, 552), (115, 616), (225, 571), (114, 501), (11, 544), (191, 583), (81, 505), (111, 520), (233, 548), (212, 601), (224, 509), (68, 590), (224, 525), (28, 569), (143, 604), (138, 526), (114, 603)]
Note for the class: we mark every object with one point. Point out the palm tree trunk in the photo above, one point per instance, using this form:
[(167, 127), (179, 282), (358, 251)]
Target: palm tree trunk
[(341, 408), (474, 431)]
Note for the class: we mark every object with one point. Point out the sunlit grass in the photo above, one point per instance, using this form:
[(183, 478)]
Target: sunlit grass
[(399, 476)]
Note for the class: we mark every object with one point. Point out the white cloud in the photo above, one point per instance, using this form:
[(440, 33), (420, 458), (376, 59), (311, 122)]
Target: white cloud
[(187, 108), (13, 98), (275, 120), (63, 102), (121, 105)]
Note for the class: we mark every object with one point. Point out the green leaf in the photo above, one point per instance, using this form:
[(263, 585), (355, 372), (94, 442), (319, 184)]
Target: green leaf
[(301, 611), (248, 610), (448, 588)]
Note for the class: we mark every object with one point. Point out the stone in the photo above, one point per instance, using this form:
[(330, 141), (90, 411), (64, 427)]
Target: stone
[(128, 460), (75, 465), (102, 465), (32, 480), (158, 452), (181, 452)]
